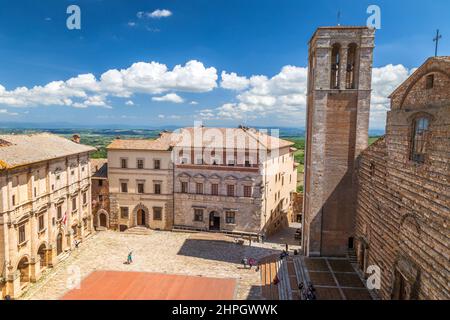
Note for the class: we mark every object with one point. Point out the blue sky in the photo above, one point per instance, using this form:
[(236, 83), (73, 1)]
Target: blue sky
[(260, 45)]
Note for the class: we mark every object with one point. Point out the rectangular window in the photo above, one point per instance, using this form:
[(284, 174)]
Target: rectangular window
[(198, 215), (157, 164), (247, 163), (84, 197), (157, 213), (157, 188), (74, 203), (247, 191), (124, 212), (124, 187), (59, 212), (100, 198), (230, 217), (199, 188), (230, 190), (41, 222), (100, 183), (140, 164), (430, 81), (215, 189), (184, 187), (140, 187), (13, 200), (123, 163), (420, 139), (22, 237)]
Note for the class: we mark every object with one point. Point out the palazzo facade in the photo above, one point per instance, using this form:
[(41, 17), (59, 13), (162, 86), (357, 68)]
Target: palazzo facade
[(45, 205)]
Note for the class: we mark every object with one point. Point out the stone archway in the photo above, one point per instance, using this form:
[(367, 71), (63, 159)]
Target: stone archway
[(141, 216), (102, 219), (42, 253), (24, 268), (59, 243), (214, 221)]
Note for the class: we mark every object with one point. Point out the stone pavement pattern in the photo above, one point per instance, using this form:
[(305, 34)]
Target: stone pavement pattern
[(163, 252)]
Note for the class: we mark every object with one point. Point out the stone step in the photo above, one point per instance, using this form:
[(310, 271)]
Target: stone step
[(138, 231)]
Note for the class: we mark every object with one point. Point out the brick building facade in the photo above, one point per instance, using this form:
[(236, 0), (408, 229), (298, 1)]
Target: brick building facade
[(403, 201)]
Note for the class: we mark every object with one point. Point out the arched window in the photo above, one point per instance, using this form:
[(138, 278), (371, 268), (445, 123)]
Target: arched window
[(420, 139), (350, 82), (335, 65)]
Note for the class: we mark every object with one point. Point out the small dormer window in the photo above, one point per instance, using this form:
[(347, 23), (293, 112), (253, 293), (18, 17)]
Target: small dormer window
[(430, 81)]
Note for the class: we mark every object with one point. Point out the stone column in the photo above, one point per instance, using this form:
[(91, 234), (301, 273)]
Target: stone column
[(13, 284), (35, 268)]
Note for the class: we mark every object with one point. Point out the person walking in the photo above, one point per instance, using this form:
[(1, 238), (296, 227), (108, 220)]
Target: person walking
[(245, 262), (130, 257)]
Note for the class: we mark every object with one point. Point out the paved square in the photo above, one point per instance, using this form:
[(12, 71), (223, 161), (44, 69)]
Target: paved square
[(114, 285), (159, 252)]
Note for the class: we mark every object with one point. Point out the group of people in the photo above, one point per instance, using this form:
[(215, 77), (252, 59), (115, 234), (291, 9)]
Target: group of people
[(250, 262), (308, 293)]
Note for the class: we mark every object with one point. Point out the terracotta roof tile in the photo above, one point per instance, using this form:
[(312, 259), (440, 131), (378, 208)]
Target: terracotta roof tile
[(26, 149), (185, 138)]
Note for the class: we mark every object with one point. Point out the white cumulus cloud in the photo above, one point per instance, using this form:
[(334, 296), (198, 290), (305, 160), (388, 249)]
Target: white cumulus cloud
[(232, 81), (284, 95), (171, 97), (6, 112), (86, 90), (156, 14)]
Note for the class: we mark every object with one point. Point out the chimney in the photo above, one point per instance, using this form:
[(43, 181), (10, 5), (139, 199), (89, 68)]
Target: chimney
[(76, 138)]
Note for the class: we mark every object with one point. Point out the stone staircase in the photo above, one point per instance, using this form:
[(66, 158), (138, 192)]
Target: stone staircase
[(351, 254), (284, 270), (138, 231)]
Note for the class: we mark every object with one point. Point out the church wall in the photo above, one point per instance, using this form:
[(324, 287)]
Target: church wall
[(403, 206)]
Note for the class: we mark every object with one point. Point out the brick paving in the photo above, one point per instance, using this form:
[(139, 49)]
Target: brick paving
[(334, 279), (162, 252)]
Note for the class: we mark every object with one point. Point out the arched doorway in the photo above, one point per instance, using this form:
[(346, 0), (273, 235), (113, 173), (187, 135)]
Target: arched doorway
[(59, 243), (24, 269), (103, 220), (214, 221), (42, 252), (141, 218)]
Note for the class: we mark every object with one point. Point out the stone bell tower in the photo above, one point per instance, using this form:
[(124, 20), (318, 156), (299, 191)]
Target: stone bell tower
[(338, 105)]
